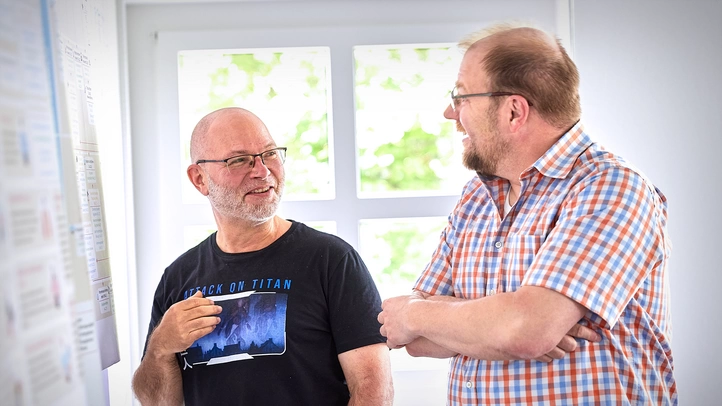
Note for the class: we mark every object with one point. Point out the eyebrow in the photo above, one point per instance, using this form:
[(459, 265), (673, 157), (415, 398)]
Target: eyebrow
[(246, 152)]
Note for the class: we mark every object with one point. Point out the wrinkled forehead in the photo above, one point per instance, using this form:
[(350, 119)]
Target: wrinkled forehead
[(232, 133)]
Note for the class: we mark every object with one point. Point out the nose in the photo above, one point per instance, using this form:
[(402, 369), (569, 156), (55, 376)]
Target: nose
[(259, 170), (449, 113)]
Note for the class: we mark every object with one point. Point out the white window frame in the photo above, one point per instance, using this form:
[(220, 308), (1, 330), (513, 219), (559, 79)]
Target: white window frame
[(347, 208), (157, 164)]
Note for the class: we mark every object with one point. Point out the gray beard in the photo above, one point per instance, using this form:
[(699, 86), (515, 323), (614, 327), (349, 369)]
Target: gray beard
[(229, 203)]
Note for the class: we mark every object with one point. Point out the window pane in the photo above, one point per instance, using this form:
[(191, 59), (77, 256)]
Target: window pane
[(194, 235), (325, 226), (404, 144), (288, 88), (397, 250)]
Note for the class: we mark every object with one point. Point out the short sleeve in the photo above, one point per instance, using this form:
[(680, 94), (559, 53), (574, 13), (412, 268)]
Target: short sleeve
[(158, 310), (436, 279), (354, 304), (607, 240)]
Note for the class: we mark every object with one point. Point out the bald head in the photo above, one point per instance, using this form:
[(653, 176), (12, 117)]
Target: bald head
[(508, 34), (222, 124), (530, 62)]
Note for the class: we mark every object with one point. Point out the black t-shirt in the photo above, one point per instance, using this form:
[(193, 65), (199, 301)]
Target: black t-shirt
[(289, 310)]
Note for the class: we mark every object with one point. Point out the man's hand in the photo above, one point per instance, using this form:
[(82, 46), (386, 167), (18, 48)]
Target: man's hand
[(569, 343), (394, 319), (183, 324)]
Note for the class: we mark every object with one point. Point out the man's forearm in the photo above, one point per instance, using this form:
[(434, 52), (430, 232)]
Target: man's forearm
[(524, 324), (373, 394), (423, 347), (158, 381)]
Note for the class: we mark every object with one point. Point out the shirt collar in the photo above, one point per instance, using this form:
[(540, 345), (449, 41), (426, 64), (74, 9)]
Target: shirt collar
[(559, 160)]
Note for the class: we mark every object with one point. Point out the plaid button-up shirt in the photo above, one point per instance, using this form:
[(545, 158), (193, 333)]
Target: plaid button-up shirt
[(586, 225)]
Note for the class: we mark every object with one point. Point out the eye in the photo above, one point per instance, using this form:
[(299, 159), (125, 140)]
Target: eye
[(239, 160), (270, 154)]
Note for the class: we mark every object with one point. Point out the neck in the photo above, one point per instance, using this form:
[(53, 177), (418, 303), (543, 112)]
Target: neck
[(526, 147), (514, 189), (246, 236)]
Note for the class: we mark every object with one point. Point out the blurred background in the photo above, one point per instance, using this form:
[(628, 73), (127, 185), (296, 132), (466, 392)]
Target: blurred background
[(356, 91)]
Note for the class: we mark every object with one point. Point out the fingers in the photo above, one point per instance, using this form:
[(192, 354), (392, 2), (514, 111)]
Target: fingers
[(194, 301), (196, 334), (202, 311), (556, 353), (186, 321), (585, 333), (567, 344), (199, 328), (544, 358), (175, 334), (202, 323)]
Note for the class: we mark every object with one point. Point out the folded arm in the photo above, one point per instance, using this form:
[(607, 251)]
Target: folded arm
[(531, 323)]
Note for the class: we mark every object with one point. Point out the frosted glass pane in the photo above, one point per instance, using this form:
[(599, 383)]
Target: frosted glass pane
[(404, 144), (288, 88), (397, 250)]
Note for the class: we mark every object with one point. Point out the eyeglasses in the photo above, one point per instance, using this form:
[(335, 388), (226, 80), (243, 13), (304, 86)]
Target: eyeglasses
[(456, 98), (242, 163)]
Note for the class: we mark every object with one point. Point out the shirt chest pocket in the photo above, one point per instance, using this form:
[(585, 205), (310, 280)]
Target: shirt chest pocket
[(519, 253)]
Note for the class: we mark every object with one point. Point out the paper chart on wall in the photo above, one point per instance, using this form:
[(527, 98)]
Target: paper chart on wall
[(40, 362), (78, 105)]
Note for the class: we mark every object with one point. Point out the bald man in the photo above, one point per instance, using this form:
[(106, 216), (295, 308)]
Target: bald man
[(553, 231), (265, 311)]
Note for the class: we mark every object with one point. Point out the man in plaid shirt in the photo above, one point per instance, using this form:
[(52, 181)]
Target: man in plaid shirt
[(554, 231)]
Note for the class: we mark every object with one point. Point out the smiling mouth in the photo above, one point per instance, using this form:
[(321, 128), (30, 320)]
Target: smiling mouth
[(262, 190)]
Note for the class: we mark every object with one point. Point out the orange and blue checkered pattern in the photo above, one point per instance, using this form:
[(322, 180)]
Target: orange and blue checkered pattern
[(586, 225)]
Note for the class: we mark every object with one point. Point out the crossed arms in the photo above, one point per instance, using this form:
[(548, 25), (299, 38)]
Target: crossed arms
[(531, 323)]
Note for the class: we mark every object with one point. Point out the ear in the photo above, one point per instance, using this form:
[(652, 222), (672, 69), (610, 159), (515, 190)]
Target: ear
[(197, 178), (519, 112)]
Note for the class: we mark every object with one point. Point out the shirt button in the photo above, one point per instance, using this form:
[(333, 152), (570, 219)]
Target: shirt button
[(491, 292), (498, 245), (468, 385)]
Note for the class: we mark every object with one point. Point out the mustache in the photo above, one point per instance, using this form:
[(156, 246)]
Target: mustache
[(460, 128), (270, 182), (261, 186)]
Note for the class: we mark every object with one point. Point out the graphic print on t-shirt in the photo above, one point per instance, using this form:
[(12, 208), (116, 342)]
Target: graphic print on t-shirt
[(252, 324)]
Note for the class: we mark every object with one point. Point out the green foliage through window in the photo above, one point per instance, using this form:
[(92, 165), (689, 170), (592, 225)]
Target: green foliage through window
[(286, 88), (397, 250), (404, 143)]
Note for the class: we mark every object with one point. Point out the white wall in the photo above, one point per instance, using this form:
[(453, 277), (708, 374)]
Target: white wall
[(651, 85), (651, 74)]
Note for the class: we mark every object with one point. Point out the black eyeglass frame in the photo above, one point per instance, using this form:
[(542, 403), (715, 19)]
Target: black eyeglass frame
[(455, 97), (252, 156)]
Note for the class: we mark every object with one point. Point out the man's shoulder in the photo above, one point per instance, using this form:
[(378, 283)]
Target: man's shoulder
[(597, 160), (605, 171), (311, 236)]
